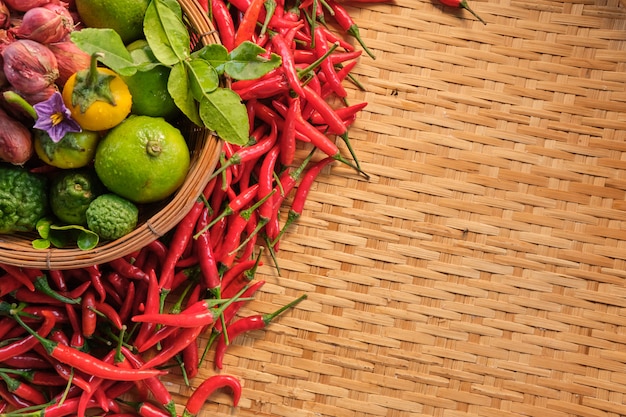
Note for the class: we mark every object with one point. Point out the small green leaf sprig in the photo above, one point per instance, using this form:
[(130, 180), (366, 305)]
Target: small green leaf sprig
[(60, 236), (194, 80)]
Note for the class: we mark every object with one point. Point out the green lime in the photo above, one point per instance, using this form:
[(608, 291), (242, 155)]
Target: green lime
[(74, 150), (123, 16), (144, 159), (111, 216), (71, 192), (149, 88)]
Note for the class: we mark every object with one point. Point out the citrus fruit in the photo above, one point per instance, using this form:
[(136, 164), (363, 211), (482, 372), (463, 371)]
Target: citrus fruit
[(71, 192), (149, 88), (144, 159), (111, 216), (74, 150), (123, 16)]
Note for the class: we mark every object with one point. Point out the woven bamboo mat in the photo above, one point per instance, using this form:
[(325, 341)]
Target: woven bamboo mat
[(481, 271)]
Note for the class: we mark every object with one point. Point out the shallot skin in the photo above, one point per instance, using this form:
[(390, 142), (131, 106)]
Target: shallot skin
[(25, 5), (29, 66), (16, 144), (44, 25)]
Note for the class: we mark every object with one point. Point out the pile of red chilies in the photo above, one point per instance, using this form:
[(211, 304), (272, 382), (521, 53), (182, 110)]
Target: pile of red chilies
[(97, 340)]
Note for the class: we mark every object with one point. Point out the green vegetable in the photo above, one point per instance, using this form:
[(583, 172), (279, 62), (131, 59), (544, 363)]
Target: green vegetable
[(71, 193), (23, 199), (111, 216)]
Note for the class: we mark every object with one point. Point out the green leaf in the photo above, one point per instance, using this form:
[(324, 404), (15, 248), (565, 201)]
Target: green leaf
[(109, 43), (223, 112), (61, 239), (87, 240), (215, 54), (246, 62), (62, 235), (43, 227), (180, 91), (41, 244), (202, 77), (166, 32)]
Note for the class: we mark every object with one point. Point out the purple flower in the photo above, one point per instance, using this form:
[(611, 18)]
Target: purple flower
[(55, 118)]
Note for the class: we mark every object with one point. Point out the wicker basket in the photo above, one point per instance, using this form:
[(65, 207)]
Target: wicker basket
[(155, 220)]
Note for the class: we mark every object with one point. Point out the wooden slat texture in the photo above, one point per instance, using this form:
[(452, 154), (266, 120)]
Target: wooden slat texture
[(481, 270)]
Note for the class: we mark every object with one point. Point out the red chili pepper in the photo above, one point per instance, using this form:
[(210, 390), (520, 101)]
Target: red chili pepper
[(128, 270), (251, 152), (155, 385), (88, 314), (95, 275), (237, 225), (147, 409), (303, 191), (111, 314), (8, 284), (264, 88), (152, 306), (235, 272), (200, 314), (64, 371), (308, 56), (128, 303), (234, 206), (321, 48), (19, 275), (206, 388), (462, 4), (335, 123), (345, 21), (190, 359), (27, 360), (95, 384), (181, 237), (13, 399), (182, 339), (118, 282), (344, 113), (234, 308), (224, 22), (25, 344), (23, 390), (266, 183), (88, 363), (288, 64), (42, 378), (288, 133), (204, 253), (244, 324), (247, 26)]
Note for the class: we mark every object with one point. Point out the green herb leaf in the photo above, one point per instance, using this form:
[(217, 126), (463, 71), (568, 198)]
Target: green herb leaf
[(87, 240), (84, 238), (166, 32), (179, 89), (215, 54), (246, 62), (223, 112), (41, 244), (109, 43), (43, 227), (202, 77)]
